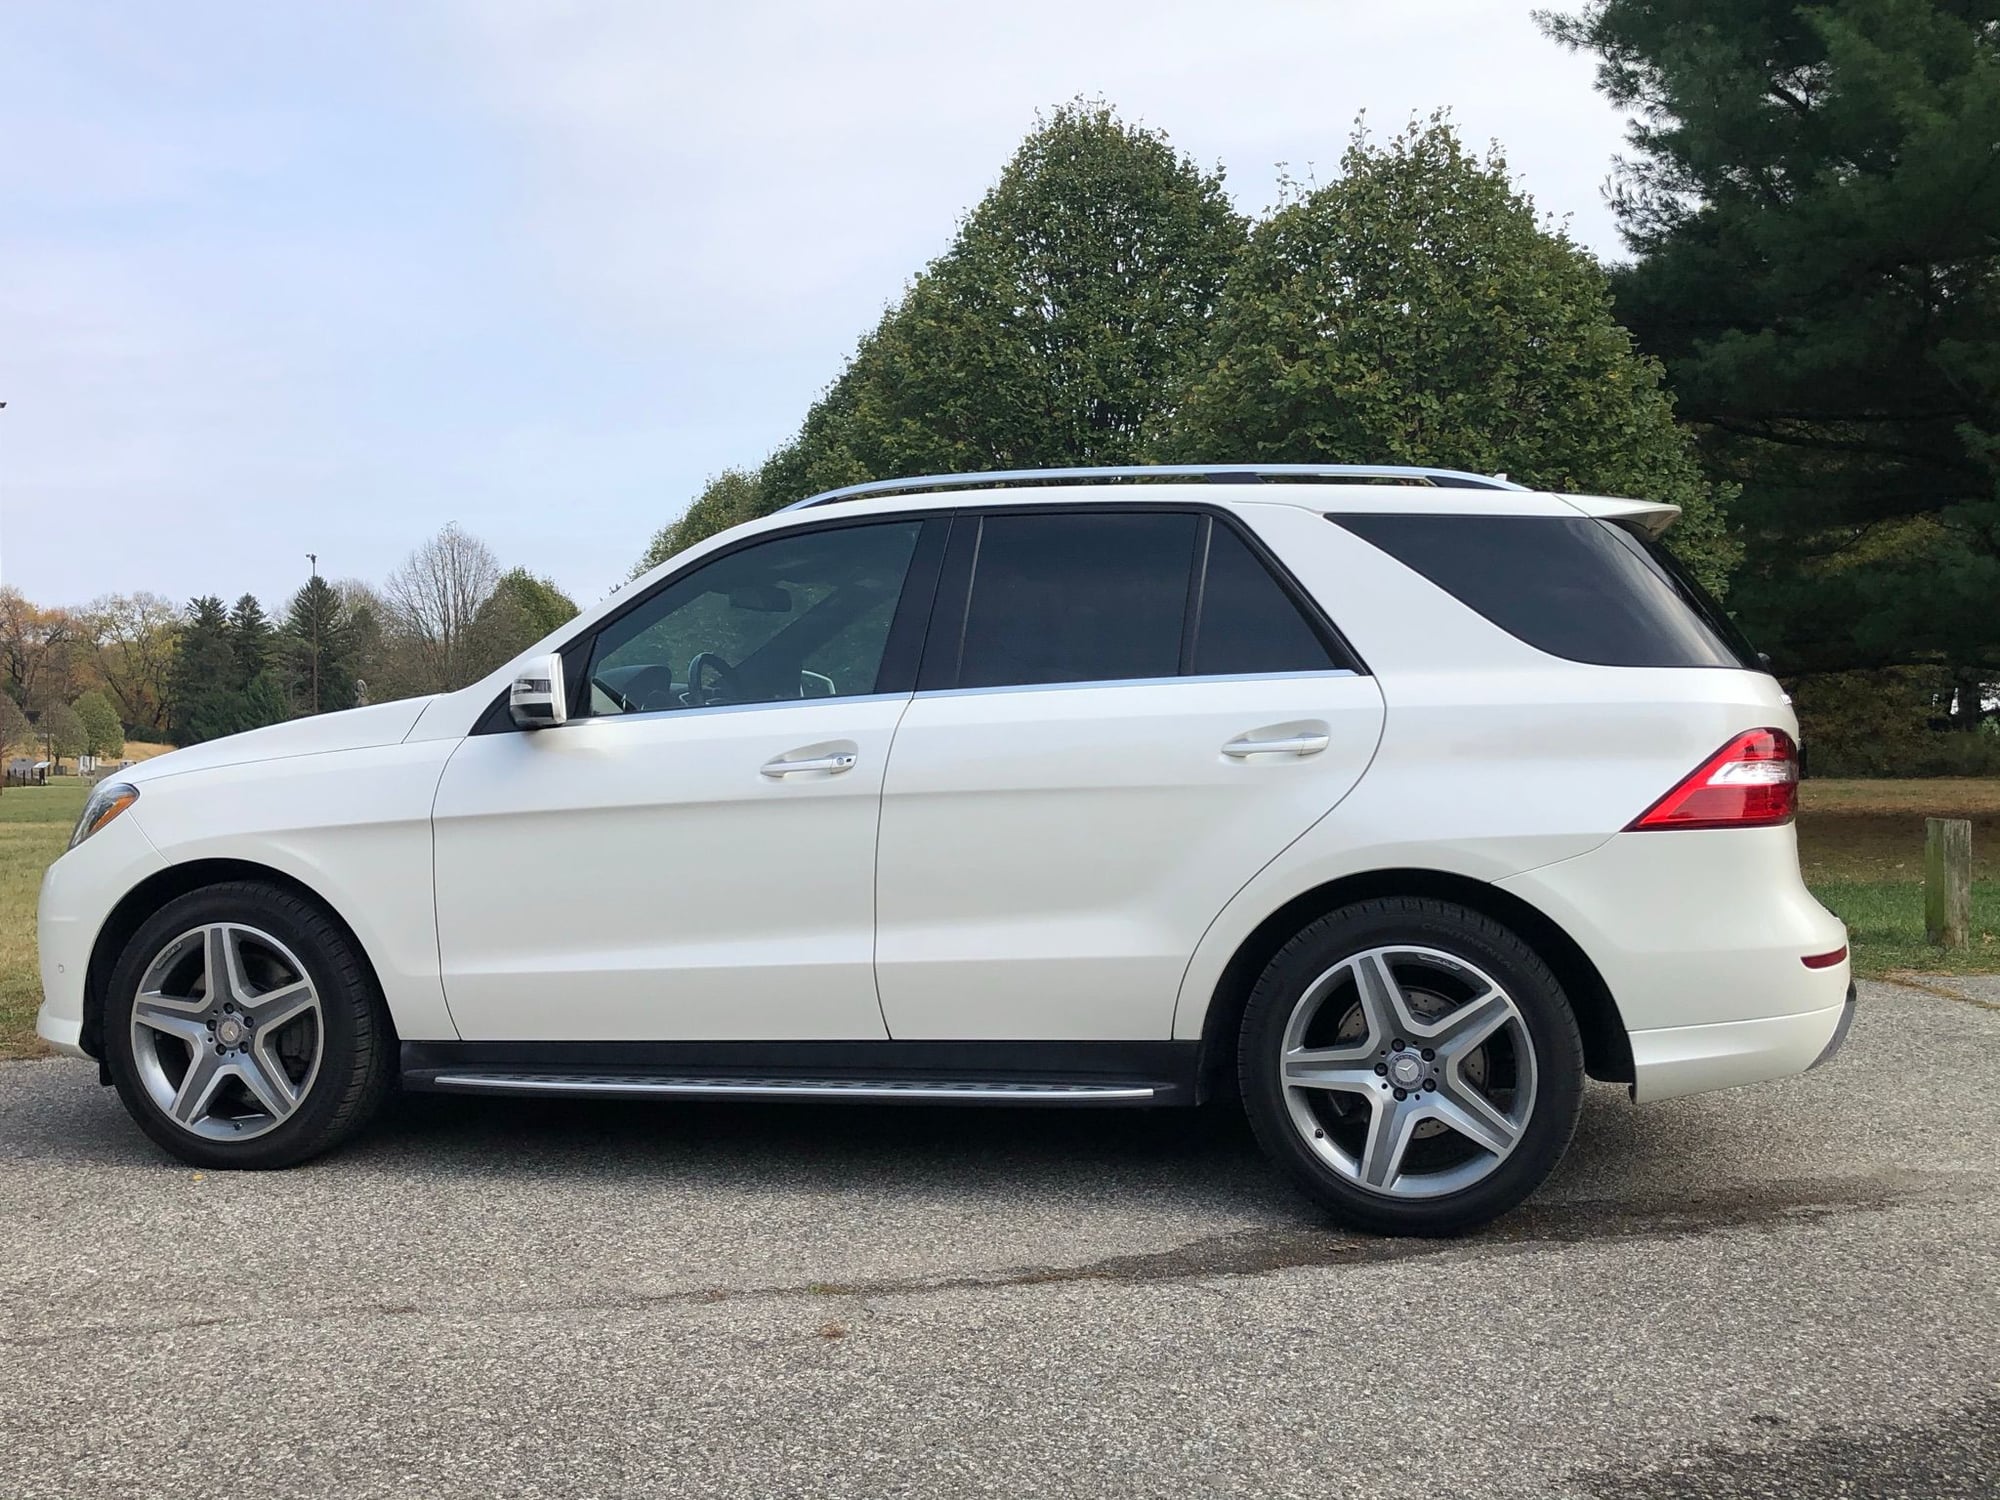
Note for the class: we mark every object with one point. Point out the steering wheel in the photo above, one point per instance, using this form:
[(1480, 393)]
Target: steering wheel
[(698, 696)]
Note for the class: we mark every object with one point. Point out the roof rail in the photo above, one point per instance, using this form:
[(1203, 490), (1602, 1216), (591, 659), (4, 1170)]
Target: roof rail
[(1216, 473)]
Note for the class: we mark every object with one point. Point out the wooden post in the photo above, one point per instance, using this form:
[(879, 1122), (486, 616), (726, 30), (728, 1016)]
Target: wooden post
[(1948, 882)]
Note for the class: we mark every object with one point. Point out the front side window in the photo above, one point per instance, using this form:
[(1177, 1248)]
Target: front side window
[(805, 615)]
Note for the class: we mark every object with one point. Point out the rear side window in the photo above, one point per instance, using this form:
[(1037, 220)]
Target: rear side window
[(1575, 587), (1247, 622), (1077, 598)]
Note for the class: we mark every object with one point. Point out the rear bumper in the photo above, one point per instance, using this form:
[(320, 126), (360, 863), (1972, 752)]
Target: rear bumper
[(1701, 938), (1673, 1060)]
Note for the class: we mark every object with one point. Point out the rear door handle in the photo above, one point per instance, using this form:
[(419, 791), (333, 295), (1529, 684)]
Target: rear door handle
[(1294, 744), (833, 764)]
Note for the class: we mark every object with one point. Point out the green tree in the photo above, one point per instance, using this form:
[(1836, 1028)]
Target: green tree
[(1417, 311), (1053, 330), (61, 732), (520, 611), (322, 650), (204, 670), (252, 642), (1815, 216), (102, 733), (733, 496)]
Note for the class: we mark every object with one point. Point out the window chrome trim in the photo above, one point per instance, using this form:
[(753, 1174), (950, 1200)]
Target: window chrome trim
[(1123, 682), (728, 708)]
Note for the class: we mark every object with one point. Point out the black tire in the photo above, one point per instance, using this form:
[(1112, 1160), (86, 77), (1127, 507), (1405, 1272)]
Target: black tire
[(1477, 940), (357, 1056)]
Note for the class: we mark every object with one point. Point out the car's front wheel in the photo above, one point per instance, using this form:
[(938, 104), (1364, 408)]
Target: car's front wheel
[(242, 1029), (1414, 1064)]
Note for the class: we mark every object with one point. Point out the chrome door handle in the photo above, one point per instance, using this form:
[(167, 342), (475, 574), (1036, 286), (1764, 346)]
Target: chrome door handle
[(833, 764), (1296, 744)]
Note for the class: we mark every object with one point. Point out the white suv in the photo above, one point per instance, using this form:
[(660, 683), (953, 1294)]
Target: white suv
[(1393, 801)]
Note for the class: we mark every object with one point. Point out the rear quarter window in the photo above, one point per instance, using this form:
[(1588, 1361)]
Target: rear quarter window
[(1576, 587)]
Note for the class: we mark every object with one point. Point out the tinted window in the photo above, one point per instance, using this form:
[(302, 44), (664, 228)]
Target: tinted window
[(1248, 623), (800, 616), (1077, 598), (1698, 598), (1571, 586)]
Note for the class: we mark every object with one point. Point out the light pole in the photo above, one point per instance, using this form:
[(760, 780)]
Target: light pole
[(313, 595)]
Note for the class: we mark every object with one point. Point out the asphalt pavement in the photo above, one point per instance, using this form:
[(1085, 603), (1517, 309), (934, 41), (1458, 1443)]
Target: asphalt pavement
[(1790, 1290)]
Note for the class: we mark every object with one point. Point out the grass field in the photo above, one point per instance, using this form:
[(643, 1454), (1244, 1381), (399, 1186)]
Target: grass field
[(34, 826), (1861, 843)]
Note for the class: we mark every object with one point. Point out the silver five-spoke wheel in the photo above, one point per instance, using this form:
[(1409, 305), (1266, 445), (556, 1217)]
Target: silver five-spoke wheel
[(1409, 1071), (227, 1031)]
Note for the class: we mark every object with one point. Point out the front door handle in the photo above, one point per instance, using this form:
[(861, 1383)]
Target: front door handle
[(1292, 744), (832, 764)]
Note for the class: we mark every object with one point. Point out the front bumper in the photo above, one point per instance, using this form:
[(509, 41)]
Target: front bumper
[(79, 892)]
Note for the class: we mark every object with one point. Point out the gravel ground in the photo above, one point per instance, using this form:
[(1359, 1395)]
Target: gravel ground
[(1792, 1290)]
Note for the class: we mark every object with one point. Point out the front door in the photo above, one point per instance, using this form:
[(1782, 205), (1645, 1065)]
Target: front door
[(691, 857)]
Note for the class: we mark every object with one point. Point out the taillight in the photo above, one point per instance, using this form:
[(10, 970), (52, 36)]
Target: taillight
[(1751, 782)]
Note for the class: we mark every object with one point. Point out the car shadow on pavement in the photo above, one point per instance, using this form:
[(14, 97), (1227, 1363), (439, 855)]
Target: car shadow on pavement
[(1671, 1167)]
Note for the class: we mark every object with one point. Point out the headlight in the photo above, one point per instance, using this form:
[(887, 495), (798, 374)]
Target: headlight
[(109, 800)]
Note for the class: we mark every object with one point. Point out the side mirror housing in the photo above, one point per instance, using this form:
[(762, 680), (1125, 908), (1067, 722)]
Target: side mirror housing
[(536, 699)]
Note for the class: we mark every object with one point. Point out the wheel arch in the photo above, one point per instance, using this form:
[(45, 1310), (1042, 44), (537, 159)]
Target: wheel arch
[(139, 904), (1607, 1048)]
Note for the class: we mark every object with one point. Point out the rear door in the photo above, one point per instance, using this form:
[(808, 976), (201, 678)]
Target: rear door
[(1123, 713)]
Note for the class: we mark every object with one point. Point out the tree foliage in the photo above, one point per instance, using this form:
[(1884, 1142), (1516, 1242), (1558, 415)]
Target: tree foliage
[(323, 647), (252, 642), (1416, 311), (732, 497), (222, 684), (38, 650), (102, 733), (521, 610), (61, 731), (1816, 219), (135, 636), (1073, 300), (15, 730), (433, 599)]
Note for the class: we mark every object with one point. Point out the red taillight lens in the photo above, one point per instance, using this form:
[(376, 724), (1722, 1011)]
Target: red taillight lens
[(1751, 782)]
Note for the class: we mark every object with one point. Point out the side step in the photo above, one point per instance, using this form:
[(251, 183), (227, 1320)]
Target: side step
[(909, 1091), (1140, 1074)]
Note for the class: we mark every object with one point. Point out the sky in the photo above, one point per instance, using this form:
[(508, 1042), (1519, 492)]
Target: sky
[(291, 279)]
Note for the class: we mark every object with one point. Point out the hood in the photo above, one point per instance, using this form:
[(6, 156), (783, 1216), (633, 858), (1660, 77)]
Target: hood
[(352, 729)]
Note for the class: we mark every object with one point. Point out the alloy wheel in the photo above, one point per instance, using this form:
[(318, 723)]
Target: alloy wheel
[(227, 1031), (1409, 1071)]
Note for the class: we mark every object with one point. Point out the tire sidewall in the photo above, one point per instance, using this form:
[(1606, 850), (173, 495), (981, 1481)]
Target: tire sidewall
[(1552, 1032), (344, 1008)]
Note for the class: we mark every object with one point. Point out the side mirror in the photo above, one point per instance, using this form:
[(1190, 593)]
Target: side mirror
[(536, 699)]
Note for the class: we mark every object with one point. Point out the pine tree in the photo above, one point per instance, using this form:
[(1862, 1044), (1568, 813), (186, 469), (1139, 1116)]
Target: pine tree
[(1815, 215), (252, 641), (323, 643), (203, 675)]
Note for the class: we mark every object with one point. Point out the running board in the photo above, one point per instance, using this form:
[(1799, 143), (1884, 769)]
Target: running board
[(909, 1091), (882, 1071)]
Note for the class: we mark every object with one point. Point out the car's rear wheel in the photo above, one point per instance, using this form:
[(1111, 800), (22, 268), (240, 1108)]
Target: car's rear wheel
[(1414, 1065), (242, 1029)]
